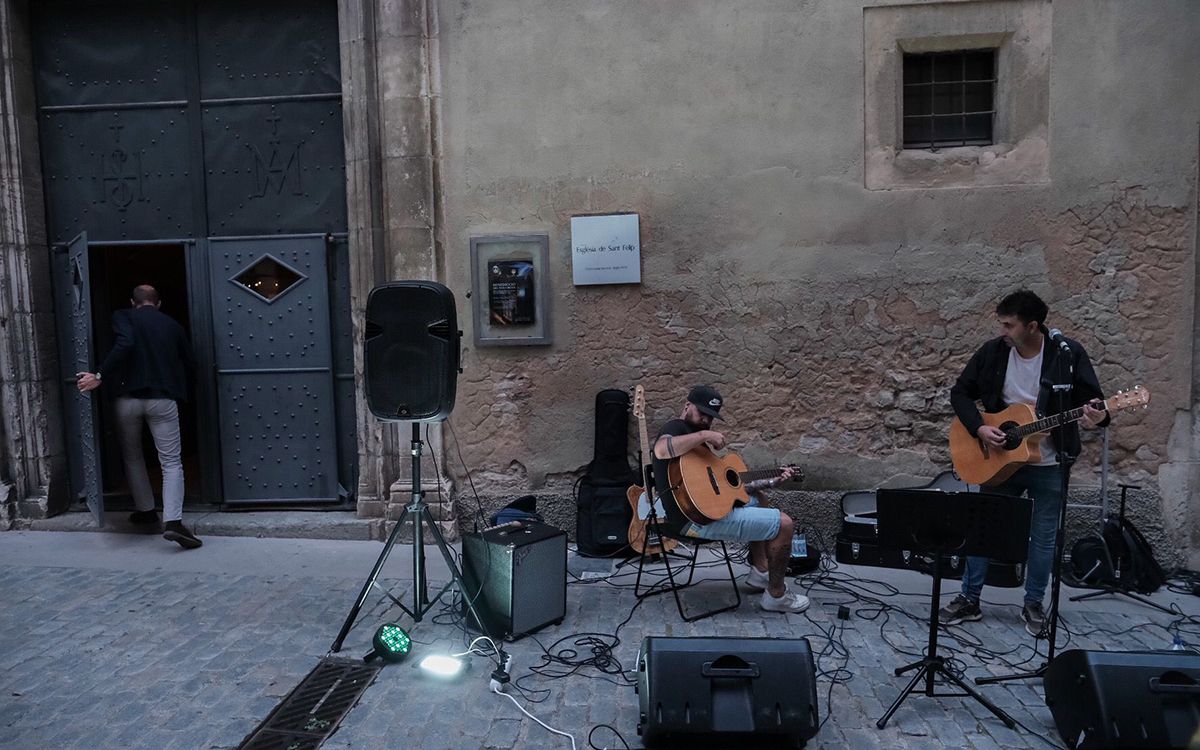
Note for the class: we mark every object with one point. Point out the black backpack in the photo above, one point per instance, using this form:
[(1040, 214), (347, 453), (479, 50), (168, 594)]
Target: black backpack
[(602, 510), (1132, 558)]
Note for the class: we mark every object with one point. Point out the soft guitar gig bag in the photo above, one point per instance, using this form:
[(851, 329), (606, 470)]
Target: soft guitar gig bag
[(602, 509)]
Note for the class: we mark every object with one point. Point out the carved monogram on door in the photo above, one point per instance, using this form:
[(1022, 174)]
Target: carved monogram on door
[(279, 168)]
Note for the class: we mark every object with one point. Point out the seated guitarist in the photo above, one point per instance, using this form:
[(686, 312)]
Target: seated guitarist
[(1020, 366), (768, 530)]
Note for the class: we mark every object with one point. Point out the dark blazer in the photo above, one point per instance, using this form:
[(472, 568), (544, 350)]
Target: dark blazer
[(151, 357), (983, 380)]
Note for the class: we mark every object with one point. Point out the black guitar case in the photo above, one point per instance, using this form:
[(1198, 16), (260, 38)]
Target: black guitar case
[(602, 512), (858, 541)]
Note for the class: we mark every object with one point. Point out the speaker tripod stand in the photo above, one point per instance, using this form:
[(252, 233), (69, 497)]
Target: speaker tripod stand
[(419, 510)]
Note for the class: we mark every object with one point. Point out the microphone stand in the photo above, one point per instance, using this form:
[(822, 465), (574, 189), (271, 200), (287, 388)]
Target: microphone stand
[(1061, 390)]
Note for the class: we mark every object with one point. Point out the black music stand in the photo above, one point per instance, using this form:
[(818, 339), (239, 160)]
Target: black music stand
[(937, 524)]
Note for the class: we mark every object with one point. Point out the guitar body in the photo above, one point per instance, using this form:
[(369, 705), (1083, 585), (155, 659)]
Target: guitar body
[(707, 486), (978, 463), (638, 527)]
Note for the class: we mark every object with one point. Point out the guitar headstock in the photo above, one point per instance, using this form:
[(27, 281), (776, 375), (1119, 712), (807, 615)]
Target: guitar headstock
[(639, 402), (1130, 399)]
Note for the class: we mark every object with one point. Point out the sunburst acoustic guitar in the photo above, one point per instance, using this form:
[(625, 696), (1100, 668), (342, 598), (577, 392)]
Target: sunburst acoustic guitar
[(979, 463)]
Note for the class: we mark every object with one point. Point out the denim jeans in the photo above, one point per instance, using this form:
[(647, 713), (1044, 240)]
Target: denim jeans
[(1043, 484)]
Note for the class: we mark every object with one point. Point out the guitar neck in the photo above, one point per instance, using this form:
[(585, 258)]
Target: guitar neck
[(1049, 423), (644, 440), (757, 474)]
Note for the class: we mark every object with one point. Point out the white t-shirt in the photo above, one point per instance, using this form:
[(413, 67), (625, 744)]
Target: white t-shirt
[(1021, 385)]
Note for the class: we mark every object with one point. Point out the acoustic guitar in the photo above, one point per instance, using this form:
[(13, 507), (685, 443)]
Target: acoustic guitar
[(707, 486), (979, 463), (641, 499)]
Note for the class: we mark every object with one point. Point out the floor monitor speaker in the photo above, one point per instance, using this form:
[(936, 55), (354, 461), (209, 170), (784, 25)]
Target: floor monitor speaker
[(1126, 699), (727, 691)]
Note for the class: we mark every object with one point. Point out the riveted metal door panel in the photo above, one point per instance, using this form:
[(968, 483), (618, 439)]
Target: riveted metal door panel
[(74, 315), (112, 89), (123, 174), (270, 305), (257, 49), (93, 53), (276, 164)]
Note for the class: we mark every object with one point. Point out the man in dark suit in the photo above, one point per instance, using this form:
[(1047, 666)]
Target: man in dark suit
[(149, 366)]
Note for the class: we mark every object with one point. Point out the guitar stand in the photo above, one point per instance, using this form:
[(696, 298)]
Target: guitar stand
[(1115, 588), (1118, 591)]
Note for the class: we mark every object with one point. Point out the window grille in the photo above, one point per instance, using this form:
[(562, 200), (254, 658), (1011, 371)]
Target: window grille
[(949, 99)]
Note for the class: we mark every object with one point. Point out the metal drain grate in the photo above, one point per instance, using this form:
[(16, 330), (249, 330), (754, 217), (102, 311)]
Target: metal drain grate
[(314, 708)]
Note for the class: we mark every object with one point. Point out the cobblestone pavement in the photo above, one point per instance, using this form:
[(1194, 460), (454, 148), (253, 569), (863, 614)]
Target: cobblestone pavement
[(117, 641)]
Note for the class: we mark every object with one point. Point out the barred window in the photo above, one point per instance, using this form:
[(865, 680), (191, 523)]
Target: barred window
[(949, 99)]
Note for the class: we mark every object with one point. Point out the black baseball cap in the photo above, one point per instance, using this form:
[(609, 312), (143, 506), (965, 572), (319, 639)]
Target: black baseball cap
[(706, 399)]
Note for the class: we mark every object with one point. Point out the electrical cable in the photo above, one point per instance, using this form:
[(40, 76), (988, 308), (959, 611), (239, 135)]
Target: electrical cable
[(496, 689)]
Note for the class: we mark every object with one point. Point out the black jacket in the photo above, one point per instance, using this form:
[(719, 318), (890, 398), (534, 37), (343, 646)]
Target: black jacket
[(983, 380), (151, 357)]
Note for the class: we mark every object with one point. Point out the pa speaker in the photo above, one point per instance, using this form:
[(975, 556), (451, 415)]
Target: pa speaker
[(1134, 699), (726, 692), (411, 353), (515, 576)]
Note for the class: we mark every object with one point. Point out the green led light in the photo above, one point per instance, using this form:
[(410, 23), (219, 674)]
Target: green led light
[(391, 643)]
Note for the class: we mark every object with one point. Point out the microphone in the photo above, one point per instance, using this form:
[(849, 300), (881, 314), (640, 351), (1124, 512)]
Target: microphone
[(1057, 337)]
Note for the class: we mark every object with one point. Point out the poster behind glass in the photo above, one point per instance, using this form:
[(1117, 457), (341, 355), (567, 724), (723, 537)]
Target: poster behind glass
[(511, 293)]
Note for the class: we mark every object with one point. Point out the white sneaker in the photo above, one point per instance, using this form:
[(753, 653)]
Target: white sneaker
[(789, 602), (757, 579)]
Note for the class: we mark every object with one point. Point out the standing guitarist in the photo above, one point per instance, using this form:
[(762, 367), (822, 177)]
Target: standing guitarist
[(768, 530), (1020, 366)]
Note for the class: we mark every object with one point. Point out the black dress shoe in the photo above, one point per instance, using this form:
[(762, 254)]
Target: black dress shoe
[(175, 531), (144, 517)]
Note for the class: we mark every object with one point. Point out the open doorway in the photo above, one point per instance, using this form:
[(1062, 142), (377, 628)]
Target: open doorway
[(115, 269)]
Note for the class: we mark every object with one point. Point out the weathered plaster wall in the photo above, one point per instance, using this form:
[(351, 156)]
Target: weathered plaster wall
[(833, 317)]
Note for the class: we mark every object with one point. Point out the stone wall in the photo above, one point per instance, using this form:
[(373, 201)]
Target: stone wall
[(834, 316)]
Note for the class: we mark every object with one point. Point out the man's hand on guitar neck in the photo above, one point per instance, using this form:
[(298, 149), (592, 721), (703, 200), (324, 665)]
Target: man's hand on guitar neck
[(1093, 414), (760, 485)]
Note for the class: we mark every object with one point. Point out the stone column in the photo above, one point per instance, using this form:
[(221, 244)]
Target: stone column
[(389, 99), (33, 474)]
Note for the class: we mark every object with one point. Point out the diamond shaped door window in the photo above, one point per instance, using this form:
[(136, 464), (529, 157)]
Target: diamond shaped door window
[(268, 278)]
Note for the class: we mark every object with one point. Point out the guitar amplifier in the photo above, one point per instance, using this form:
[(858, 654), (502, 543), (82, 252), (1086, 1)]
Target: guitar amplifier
[(516, 578)]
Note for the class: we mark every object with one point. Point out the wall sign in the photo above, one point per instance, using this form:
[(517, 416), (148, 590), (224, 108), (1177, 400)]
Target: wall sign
[(606, 249)]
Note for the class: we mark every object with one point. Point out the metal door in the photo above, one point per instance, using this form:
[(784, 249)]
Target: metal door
[(270, 305), (74, 307)]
